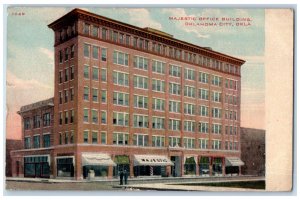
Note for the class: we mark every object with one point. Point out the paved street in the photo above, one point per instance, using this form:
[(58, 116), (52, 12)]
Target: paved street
[(170, 184)]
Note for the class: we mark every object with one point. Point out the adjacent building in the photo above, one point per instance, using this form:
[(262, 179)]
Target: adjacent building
[(253, 151), (135, 99)]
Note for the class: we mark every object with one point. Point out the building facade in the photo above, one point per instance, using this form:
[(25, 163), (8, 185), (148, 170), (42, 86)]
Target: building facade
[(253, 151), (137, 99)]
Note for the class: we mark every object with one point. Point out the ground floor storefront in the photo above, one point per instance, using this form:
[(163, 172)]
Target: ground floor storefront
[(110, 164)]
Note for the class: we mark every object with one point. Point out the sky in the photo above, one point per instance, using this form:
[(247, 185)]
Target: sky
[(30, 51)]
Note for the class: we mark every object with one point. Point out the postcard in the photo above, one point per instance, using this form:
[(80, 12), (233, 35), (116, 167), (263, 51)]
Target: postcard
[(144, 98)]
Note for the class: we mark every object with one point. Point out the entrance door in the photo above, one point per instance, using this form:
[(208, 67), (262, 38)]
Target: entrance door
[(176, 168), (38, 170), (18, 167)]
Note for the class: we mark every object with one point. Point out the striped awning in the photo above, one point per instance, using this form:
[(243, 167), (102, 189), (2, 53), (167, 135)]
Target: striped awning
[(233, 161), (151, 160), (97, 159)]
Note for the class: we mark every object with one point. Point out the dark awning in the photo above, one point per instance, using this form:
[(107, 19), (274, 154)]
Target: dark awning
[(121, 159)]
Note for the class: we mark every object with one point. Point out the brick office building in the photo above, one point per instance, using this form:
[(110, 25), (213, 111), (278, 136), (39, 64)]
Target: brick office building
[(137, 99)]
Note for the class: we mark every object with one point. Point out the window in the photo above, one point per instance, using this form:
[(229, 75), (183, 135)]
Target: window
[(72, 137), (203, 77), (174, 88), (72, 116), (189, 126), (66, 117), (189, 109), (86, 72), (203, 111), (216, 80), (158, 66), (46, 140), (103, 137), (115, 36), (66, 96), (203, 94), (189, 143), (36, 141), (135, 42), (94, 137), (95, 116), (140, 82), (103, 96), (60, 138), (216, 112), (60, 97), (60, 56), (60, 77), (174, 142), (174, 124), (95, 52), (189, 91), (203, 127), (46, 119), (86, 50), (95, 94), (120, 78), (141, 43), (60, 118), (158, 123), (103, 75), (140, 101), (95, 31), (95, 74), (86, 29), (72, 72), (231, 84), (36, 121), (120, 98), (174, 106), (140, 62), (140, 121), (85, 115), (72, 51), (66, 54), (103, 54), (203, 143), (216, 144), (121, 38), (158, 104), (27, 143), (216, 96), (140, 140), (104, 33), (120, 119), (216, 128), (103, 117), (158, 141), (189, 74), (127, 41), (66, 74), (72, 94), (120, 58), (120, 138), (175, 70), (85, 136), (66, 138), (158, 85), (86, 93)]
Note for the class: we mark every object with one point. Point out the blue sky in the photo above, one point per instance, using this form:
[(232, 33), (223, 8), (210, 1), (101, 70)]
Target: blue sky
[(30, 58)]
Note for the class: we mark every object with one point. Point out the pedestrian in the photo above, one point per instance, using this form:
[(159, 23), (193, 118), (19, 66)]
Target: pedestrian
[(125, 176), (121, 177)]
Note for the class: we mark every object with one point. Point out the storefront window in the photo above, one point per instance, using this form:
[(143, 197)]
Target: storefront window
[(217, 166), (65, 167), (123, 164), (190, 166), (204, 166), (100, 171), (37, 166)]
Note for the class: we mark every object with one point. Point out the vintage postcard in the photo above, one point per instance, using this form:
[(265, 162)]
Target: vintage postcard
[(139, 99)]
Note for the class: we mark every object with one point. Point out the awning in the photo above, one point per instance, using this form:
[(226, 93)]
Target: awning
[(97, 159), (233, 161), (151, 160), (190, 160)]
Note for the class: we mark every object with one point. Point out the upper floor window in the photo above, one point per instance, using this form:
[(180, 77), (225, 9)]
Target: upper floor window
[(174, 88), (189, 143), (120, 58), (140, 101), (189, 74), (27, 123), (46, 119), (120, 78), (27, 142), (158, 104), (86, 50), (174, 106), (86, 29), (46, 140), (189, 91), (158, 85), (95, 52), (158, 66), (175, 70), (60, 55), (95, 31), (140, 62), (121, 119), (36, 121), (120, 138), (216, 80), (158, 141), (140, 82), (103, 54), (104, 33), (120, 98), (174, 142), (140, 140), (203, 77), (72, 51), (140, 121), (36, 141), (158, 123)]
